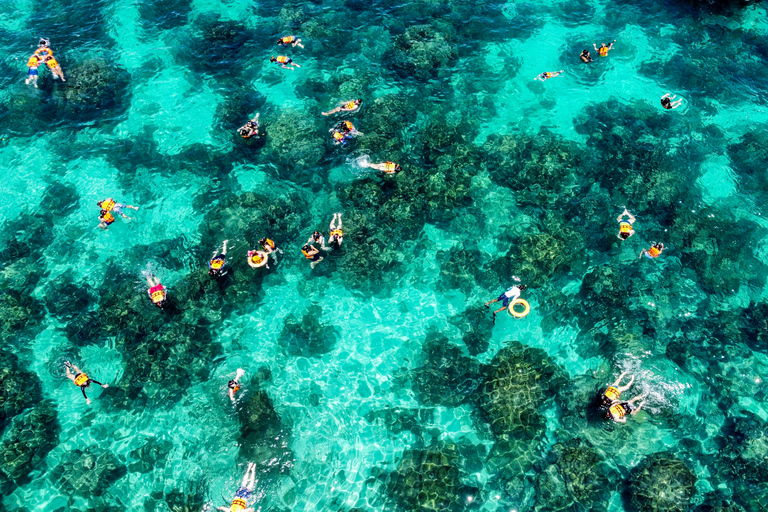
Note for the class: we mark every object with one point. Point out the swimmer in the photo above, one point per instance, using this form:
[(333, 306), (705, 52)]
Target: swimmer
[(53, 65), (282, 60), (257, 259), (311, 253), (110, 205), (385, 167), (234, 385), (611, 394), (318, 238), (32, 74), (547, 75), (250, 129), (105, 219), (340, 137), (511, 295), (585, 57), (653, 252), (217, 267), (347, 106), (619, 410), (270, 248), (158, 294), (625, 226), (336, 236), (666, 101), (603, 50), (343, 131), (292, 40), (81, 380), (240, 501)]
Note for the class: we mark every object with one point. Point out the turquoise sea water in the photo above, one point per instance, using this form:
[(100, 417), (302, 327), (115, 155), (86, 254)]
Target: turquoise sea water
[(377, 381)]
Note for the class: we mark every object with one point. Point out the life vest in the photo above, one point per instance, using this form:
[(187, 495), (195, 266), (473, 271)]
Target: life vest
[(108, 218), (52, 62), (81, 379), (603, 51), (390, 167), (157, 294), (281, 59), (336, 232), (269, 243), (306, 254), (618, 410), (288, 39), (236, 388), (238, 504), (107, 204), (216, 264), (42, 52), (349, 126), (612, 393), (33, 62), (338, 136), (653, 252), (625, 227), (256, 257), (350, 105)]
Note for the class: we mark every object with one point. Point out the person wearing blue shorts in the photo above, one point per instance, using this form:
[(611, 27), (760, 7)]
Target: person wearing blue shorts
[(240, 501), (505, 298)]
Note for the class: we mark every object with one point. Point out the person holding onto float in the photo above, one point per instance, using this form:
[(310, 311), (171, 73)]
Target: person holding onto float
[(217, 265), (81, 380), (510, 299), (257, 259)]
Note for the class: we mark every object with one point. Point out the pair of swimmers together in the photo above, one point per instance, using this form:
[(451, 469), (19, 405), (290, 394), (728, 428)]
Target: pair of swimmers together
[(109, 207), (43, 54), (335, 238), (626, 230), (618, 410), (217, 266)]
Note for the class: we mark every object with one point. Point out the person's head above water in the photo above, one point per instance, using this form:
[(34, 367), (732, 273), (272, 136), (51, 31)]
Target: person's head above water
[(316, 235), (522, 287), (43, 43)]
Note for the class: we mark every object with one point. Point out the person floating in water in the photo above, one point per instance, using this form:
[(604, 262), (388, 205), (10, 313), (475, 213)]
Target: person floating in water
[(653, 252), (158, 294), (81, 380), (105, 219), (270, 248), (619, 410), (234, 385), (603, 50), (311, 253), (110, 205), (250, 129), (347, 106), (32, 74), (666, 101), (625, 226), (612, 393), (336, 236), (385, 167), (240, 501), (290, 40), (55, 68), (512, 294), (217, 267), (343, 131), (257, 259), (318, 238), (585, 57), (547, 75), (282, 60)]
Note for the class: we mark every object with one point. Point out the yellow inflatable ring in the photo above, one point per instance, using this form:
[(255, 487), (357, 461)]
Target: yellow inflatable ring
[(519, 314)]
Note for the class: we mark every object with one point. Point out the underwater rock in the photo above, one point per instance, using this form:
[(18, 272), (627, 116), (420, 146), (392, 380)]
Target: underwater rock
[(263, 439), (398, 419), (84, 329), (744, 447), (96, 90), (387, 119), (19, 388), (423, 51), (756, 326), (219, 47), (459, 269), (447, 377), (150, 455), (294, 141), (185, 501), (661, 482), (21, 275), (308, 337), (473, 323), (603, 294), (20, 314), (29, 439), (88, 472), (64, 299)]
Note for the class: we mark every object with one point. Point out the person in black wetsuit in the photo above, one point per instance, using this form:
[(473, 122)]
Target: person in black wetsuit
[(81, 379)]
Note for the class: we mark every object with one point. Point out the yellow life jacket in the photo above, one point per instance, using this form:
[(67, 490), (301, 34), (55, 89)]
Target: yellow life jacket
[(337, 232), (338, 136), (612, 393), (350, 105), (217, 264), (33, 62), (349, 126), (269, 243), (306, 254), (108, 218), (618, 410), (107, 204), (81, 379), (603, 51), (653, 252), (238, 504), (282, 59), (288, 39), (158, 296), (625, 227), (256, 257), (390, 167), (52, 62)]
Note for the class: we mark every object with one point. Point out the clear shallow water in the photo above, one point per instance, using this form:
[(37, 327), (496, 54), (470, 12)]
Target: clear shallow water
[(354, 410)]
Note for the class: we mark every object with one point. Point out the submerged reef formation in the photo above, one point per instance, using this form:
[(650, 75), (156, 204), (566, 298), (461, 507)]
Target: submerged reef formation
[(423, 51), (661, 482), (19, 388), (263, 438), (96, 90), (165, 14), (447, 377), (308, 337), (28, 440), (88, 472)]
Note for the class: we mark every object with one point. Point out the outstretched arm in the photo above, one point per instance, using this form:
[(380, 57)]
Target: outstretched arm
[(596, 48), (224, 249)]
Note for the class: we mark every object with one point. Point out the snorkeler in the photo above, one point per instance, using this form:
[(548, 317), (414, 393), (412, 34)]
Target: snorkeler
[(603, 50), (619, 410), (249, 129), (385, 167), (613, 392), (336, 236), (585, 57), (290, 40), (666, 101), (547, 75), (43, 48), (105, 219), (257, 259), (311, 253), (217, 265), (157, 292), (240, 501), (32, 74), (282, 60), (653, 252), (53, 65), (81, 380), (270, 247), (343, 131), (234, 385), (318, 238), (340, 137), (512, 294), (110, 205), (625, 226), (347, 106)]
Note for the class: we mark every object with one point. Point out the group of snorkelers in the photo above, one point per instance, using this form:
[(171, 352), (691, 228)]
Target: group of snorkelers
[(108, 210), (43, 55)]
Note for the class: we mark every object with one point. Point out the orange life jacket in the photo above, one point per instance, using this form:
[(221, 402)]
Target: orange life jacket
[(288, 39), (107, 204), (336, 232), (269, 243), (256, 257), (603, 51), (618, 410), (612, 393), (350, 105), (81, 379), (158, 296), (52, 63), (217, 264), (625, 227), (108, 218), (282, 59), (306, 254), (390, 167), (349, 126), (653, 252), (338, 136)]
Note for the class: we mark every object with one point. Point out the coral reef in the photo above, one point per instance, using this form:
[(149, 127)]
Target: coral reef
[(473, 323), (308, 337), (423, 51), (263, 439), (29, 439), (219, 47), (447, 377), (165, 14), (96, 90), (459, 269), (64, 299), (150, 455), (661, 482), (19, 388), (88, 472)]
